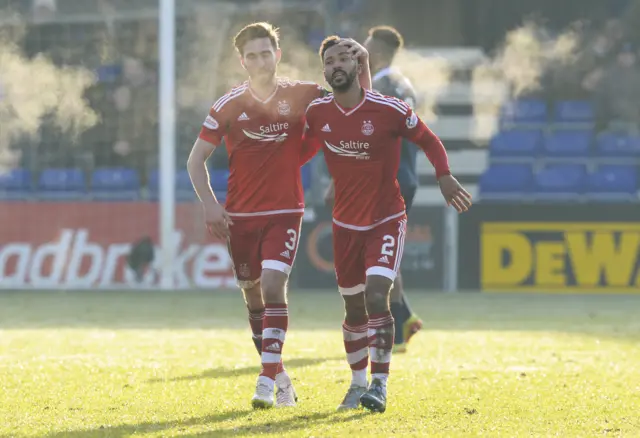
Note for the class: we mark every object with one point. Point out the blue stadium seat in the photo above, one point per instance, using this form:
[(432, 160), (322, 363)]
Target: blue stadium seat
[(524, 111), (184, 189), (560, 181), (306, 174), (115, 184), (516, 143), (617, 145), (153, 185), (62, 184), (573, 111), (506, 181), (568, 143), (613, 183), (15, 184)]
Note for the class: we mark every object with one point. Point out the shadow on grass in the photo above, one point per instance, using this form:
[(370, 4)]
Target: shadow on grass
[(150, 427), (223, 372), (298, 422)]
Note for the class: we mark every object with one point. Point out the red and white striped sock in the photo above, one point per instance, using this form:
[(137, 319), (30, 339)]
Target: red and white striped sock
[(274, 329), (255, 321), (381, 333), (356, 346)]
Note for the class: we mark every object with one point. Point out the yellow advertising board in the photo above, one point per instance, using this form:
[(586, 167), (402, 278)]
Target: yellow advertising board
[(560, 257)]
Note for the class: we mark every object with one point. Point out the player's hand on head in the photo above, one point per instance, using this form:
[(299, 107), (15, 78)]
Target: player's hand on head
[(217, 220), (454, 194), (356, 49)]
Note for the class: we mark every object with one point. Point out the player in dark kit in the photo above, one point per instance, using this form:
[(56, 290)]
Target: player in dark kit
[(360, 132), (383, 43)]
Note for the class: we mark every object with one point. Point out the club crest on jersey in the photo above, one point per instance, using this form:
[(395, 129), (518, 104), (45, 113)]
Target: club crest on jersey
[(211, 123), (283, 108), (244, 271), (367, 128), (412, 121)]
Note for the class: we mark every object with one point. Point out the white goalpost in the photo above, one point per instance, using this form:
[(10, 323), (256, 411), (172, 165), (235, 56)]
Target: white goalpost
[(167, 139)]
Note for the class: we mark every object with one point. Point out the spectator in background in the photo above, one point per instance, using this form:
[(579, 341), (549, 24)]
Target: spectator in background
[(618, 92)]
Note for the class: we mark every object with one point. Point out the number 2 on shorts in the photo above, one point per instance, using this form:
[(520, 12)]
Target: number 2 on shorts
[(293, 238), (387, 246)]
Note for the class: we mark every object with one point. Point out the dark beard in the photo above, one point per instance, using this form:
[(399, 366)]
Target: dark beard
[(350, 77)]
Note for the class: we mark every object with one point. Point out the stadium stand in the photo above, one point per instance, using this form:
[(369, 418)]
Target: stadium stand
[(546, 155)]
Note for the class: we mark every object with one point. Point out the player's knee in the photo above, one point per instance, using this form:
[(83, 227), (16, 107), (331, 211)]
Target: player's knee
[(377, 294), (355, 309), (274, 286), (377, 301), (253, 297)]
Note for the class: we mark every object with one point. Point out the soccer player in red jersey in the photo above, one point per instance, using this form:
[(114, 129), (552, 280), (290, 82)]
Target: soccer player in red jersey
[(262, 123), (360, 132)]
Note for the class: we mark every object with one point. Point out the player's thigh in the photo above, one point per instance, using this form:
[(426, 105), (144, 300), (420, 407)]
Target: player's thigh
[(384, 248), (244, 249), (348, 260), (279, 244)]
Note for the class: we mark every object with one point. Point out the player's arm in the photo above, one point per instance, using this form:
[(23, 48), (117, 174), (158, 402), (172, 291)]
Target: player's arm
[(310, 147), (197, 167), (211, 133), (414, 130), (365, 75), (310, 143)]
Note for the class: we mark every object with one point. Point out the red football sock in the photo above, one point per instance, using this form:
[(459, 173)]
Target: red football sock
[(380, 342), (274, 329)]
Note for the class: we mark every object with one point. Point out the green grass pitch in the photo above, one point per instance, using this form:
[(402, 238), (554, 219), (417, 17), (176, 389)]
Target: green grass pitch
[(152, 364)]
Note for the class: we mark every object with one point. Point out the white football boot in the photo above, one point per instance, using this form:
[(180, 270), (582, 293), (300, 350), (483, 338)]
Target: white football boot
[(263, 397)]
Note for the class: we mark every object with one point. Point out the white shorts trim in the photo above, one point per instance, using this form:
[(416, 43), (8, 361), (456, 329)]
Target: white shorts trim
[(348, 291), (276, 265), (267, 213), (383, 272), (368, 227)]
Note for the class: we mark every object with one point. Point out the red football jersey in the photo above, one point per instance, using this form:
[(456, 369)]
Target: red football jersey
[(263, 140), (362, 150)]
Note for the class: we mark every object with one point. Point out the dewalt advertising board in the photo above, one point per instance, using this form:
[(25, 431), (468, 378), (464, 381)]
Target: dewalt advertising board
[(551, 249)]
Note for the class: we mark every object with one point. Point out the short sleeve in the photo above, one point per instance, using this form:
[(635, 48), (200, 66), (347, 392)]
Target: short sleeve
[(214, 126)]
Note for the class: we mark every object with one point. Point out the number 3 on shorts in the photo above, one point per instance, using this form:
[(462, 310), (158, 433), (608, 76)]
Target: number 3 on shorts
[(387, 246), (293, 239)]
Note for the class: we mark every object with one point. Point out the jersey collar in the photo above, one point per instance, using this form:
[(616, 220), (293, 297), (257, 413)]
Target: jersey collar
[(351, 110), (275, 90)]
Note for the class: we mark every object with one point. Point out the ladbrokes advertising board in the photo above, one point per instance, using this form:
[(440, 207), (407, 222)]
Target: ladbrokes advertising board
[(551, 248), (85, 245)]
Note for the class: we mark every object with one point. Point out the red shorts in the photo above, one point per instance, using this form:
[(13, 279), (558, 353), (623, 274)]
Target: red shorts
[(377, 251), (263, 243)]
